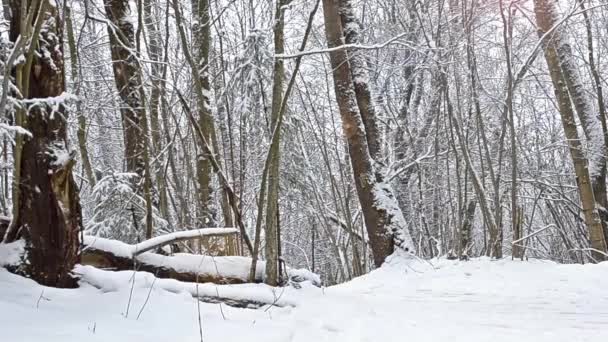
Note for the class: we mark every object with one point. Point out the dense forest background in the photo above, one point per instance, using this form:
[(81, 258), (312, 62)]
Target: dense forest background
[(488, 122)]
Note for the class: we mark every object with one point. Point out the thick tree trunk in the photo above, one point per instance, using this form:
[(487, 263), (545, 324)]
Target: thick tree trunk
[(602, 200), (383, 218), (49, 213), (563, 77), (360, 77), (590, 119)]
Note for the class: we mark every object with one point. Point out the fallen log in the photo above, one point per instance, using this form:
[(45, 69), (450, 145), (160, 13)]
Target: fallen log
[(118, 256), (242, 295)]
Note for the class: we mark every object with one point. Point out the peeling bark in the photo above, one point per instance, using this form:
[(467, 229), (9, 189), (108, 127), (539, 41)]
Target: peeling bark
[(49, 214)]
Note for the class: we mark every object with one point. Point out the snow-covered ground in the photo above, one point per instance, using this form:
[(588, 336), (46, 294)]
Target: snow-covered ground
[(441, 300)]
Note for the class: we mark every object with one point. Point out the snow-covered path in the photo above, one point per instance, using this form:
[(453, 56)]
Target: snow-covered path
[(479, 300)]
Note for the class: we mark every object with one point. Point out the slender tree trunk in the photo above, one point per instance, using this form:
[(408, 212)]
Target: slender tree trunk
[(507, 38), (49, 214), (82, 121), (518, 248), (466, 230), (155, 51), (272, 238), (201, 33)]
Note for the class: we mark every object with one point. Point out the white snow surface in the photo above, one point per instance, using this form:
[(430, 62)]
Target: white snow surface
[(11, 253), (405, 300)]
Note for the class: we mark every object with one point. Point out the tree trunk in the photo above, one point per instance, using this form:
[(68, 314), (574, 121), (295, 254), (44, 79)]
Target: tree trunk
[(127, 76), (49, 214), (466, 230), (82, 121), (383, 218), (602, 109), (567, 92), (201, 33), (590, 119), (271, 226), (128, 79), (518, 249), (360, 78), (155, 51)]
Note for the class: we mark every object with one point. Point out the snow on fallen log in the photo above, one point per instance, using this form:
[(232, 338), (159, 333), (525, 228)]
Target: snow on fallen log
[(121, 249), (240, 295), (116, 255), (153, 243)]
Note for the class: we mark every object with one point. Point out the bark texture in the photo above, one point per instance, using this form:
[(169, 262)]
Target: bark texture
[(271, 228), (155, 51), (127, 76), (564, 79), (465, 236), (49, 213), (128, 79), (201, 34), (383, 218)]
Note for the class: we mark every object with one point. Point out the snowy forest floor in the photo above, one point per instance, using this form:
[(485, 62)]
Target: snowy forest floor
[(478, 300)]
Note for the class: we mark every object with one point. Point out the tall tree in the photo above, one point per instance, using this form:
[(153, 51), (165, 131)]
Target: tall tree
[(271, 228), (383, 218), (128, 79), (201, 34), (590, 167), (48, 213), (155, 51)]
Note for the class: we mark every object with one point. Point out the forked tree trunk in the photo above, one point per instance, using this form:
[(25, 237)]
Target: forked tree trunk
[(567, 92), (383, 218), (272, 207), (49, 213)]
